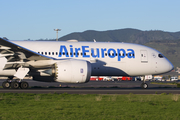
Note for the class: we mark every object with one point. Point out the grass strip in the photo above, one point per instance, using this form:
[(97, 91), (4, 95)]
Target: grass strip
[(161, 83), (89, 106)]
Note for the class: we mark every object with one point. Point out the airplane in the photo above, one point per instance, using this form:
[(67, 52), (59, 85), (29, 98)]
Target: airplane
[(75, 62)]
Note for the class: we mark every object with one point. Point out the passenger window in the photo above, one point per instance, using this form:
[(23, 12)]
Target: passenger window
[(52, 53), (76, 53)]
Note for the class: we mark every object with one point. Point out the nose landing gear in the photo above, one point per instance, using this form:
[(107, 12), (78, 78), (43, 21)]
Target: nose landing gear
[(144, 85)]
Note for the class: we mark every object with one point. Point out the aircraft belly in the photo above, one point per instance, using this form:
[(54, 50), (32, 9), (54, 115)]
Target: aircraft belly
[(109, 69), (139, 69)]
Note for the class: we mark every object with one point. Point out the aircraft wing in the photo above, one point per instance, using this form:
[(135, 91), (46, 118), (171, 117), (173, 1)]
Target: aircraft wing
[(14, 52)]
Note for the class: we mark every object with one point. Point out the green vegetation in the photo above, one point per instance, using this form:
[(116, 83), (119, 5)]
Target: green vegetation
[(162, 83), (122, 35), (169, 48), (89, 107), (178, 85), (167, 43)]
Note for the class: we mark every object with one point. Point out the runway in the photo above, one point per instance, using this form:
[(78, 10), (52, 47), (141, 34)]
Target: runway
[(93, 91), (94, 87)]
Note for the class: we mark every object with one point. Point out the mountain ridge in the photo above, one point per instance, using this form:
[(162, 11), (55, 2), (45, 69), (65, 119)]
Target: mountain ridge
[(168, 43), (122, 35)]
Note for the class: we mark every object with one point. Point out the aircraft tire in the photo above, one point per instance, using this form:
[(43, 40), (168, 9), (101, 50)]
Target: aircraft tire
[(144, 85), (6, 84), (24, 85), (14, 85)]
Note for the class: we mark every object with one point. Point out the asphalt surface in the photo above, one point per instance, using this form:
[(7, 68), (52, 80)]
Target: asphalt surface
[(95, 87)]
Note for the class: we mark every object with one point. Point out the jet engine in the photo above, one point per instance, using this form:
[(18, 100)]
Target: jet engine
[(66, 71)]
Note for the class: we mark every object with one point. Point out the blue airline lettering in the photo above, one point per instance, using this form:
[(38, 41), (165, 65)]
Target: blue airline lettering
[(84, 51), (123, 55), (131, 53), (97, 53), (63, 49), (112, 53), (76, 51), (102, 51), (71, 50)]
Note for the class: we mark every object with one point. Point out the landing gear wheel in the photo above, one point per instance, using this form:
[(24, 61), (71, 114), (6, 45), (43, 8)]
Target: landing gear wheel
[(144, 85), (15, 85), (6, 84), (24, 85)]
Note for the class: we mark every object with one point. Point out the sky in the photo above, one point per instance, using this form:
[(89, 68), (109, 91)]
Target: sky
[(37, 19)]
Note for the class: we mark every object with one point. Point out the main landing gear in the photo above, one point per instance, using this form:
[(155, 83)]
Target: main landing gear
[(15, 84)]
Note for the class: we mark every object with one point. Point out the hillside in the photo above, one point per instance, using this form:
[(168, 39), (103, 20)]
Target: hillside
[(169, 48), (167, 43), (122, 35)]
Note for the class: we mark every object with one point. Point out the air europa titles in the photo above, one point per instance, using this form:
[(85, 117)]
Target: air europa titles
[(96, 53)]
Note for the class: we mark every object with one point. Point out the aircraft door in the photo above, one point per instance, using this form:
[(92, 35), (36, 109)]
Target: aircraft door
[(144, 56)]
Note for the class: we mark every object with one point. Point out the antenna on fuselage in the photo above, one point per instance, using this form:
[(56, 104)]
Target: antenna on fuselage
[(94, 40)]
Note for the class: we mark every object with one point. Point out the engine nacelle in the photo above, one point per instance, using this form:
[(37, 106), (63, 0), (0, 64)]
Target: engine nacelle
[(73, 71), (67, 71)]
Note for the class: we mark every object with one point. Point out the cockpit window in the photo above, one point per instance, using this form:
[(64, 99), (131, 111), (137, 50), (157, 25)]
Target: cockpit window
[(160, 55)]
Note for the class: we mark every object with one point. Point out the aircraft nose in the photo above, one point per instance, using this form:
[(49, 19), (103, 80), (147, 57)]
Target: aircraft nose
[(165, 66), (171, 67)]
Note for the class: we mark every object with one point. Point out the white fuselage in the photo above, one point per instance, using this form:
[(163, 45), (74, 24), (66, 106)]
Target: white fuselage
[(106, 58)]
